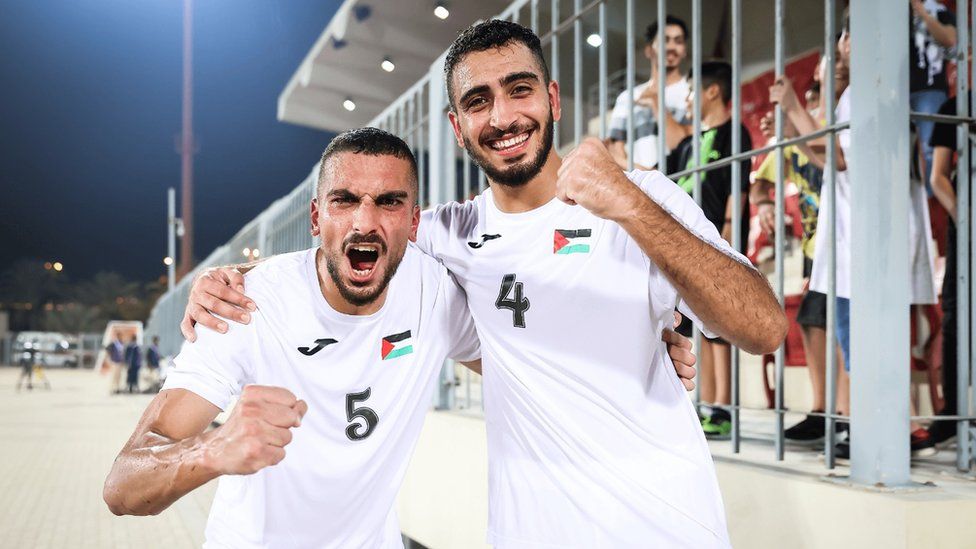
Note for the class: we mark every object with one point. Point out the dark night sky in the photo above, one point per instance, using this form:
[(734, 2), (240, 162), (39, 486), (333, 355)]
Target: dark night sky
[(90, 99)]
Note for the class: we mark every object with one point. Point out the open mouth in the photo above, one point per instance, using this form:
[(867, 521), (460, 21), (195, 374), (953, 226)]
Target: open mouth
[(362, 260), (510, 145)]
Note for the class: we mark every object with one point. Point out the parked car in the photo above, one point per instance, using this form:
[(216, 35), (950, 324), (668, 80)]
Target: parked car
[(49, 349)]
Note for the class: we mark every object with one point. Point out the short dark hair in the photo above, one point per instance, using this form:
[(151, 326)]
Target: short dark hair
[(651, 33), (716, 72), (493, 33), (372, 142)]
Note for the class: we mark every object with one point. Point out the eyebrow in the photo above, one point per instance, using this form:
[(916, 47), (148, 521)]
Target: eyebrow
[(504, 81), (345, 193)]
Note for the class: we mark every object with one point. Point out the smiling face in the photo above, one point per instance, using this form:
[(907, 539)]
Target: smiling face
[(504, 112), (366, 213), (675, 48)]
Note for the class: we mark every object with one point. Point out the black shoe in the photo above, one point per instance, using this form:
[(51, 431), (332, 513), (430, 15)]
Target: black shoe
[(922, 444), (842, 451), (812, 429), (942, 431)]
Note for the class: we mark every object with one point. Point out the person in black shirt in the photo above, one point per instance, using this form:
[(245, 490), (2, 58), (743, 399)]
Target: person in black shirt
[(716, 202), (943, 143), (931, 34)]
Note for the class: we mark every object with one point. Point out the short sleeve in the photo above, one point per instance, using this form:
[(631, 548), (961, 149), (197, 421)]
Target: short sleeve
[(463, 342), (216, 366), (618, 118), (683, 208), (767, 169)]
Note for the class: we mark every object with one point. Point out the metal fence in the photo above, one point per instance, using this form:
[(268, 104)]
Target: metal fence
[(880, 119)]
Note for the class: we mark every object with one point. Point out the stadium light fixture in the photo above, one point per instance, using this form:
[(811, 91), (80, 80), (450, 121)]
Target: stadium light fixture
[(440, 10), (349, 104), (167, 261), (594, 40), (58, 266), (255, 253), (246, 252), (387, 64)]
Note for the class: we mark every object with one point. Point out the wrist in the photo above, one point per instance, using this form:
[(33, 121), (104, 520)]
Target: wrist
[(632, 202), (204, 455)]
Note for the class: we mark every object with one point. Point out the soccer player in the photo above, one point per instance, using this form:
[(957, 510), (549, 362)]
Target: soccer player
[(571, 269), (337, 365)]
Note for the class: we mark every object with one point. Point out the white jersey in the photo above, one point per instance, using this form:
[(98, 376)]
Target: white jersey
[(367, 381), (592, 440), (645, 126), (842, 229)]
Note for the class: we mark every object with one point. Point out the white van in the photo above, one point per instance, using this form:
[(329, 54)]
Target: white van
[(49, 349)]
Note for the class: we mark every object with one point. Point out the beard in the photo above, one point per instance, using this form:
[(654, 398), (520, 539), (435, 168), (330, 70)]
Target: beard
[(356, 295), (522, 172)]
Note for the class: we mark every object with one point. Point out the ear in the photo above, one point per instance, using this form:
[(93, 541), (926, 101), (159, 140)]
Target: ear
[(553, 90), (314, 216), (415, 223), (649, 51), (456, 126)]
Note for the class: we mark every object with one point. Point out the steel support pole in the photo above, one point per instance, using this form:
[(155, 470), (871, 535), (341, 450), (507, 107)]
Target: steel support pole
[(736, 170), (963, 217), (880, 286), (186, 143), (696, 121), (829, 188), (171, 238), (603, 69), (780, 241)]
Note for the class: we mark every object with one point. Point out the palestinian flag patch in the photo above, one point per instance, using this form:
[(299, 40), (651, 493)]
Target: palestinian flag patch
[(396, 345), (571, 241)]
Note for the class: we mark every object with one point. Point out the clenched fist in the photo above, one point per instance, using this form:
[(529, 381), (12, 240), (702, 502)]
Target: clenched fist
[(590, 177), (257, 431)]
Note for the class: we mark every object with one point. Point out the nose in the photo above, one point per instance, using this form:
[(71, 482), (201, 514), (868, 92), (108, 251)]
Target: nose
[(365, 219), (502, 114)]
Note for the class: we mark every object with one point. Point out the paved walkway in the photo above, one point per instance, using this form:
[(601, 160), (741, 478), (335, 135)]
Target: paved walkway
[(56, 448)]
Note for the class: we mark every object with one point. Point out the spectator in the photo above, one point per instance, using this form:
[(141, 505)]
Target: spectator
[(152, 361), (645, 97), (782, 92), (116, 357), (943, 145), (716, 143), (133, 358), (812, 316), (27, 361), (932, 33)]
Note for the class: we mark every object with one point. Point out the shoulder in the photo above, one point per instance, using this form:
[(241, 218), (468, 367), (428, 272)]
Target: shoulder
[(451, 217), (282, 271)]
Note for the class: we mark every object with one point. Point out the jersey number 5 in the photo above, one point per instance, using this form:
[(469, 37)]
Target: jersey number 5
[(518, 304), (367, 418)]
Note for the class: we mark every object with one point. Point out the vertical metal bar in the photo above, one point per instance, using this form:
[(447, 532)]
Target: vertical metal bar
[(482, 181), (963, 192), (534, 16), (630, 84), (662, 84), (577, 72), (424, 145), (603, 69), (967, 329), (170, 238), (780, 240), (736, 196), (879, 245), (829, 188), (554, 68)]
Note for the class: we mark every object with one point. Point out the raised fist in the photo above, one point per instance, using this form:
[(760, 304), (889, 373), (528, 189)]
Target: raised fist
[(591, 178), (257, 431)]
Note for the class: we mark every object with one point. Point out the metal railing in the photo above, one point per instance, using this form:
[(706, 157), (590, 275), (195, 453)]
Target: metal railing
[(419, 116)]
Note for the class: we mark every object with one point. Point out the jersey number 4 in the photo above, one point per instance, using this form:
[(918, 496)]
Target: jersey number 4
[(361, 420), (517, 303)]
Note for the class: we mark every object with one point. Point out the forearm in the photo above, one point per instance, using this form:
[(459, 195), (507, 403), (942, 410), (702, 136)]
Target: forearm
[(945, 35), (741, 308), (150, 476), (942, 189)]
